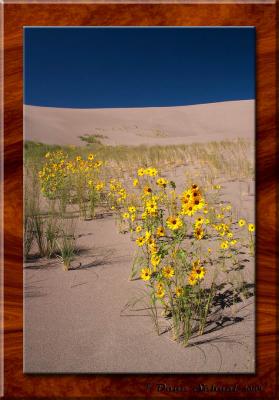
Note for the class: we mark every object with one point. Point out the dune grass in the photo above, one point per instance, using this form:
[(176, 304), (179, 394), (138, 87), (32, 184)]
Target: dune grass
[(203, 162), (230, 159), (92, 139), (187, 238)]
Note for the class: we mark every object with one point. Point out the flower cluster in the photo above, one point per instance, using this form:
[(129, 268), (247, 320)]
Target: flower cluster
[(65, 178), (170, 230)]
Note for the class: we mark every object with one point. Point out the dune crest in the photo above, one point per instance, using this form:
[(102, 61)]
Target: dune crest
[(136, 126)]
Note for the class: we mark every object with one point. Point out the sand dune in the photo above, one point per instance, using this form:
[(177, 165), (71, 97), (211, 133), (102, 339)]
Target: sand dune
[(135, 126), (74, 323)]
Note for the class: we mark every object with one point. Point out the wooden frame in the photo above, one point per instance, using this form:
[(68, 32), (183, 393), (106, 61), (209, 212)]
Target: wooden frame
[(263, 17)]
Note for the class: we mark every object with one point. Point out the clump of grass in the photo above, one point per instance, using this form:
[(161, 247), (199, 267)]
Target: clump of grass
[(92, 139), (67, 253), (38, 223), (67, 244), (28, 235), (52, 231), (31, 207)]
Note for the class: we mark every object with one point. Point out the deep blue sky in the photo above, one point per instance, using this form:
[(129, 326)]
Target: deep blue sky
[(137, 67)]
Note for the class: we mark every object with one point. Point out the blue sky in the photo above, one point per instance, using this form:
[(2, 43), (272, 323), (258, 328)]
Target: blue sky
[(137, 67)]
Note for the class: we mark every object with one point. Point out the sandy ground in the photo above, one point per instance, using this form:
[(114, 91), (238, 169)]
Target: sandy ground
[(135, 126), (73, 321)]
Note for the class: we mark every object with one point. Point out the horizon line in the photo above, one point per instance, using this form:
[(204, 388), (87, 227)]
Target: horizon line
[(137, 107)]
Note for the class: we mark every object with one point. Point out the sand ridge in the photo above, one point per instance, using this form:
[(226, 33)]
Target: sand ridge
[(136, 126), (73, 320)]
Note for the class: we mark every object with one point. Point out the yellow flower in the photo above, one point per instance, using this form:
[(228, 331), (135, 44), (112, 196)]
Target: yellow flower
[(140, 241), (78, 158), (162, 182), (153, 248), (143, 215), (192, 280), (241, 222), (178, 291), (233, 242), (224, 245), (90, 157), (198, 203), (150, 241), (188, 209), (100, 186), (98, 164), (199, 233), (47, 155), (160, 292), (168, 272), (145, 274), (140, 171), (251, 227), (174, 223), (138, 228), (147, 235), (125, 215), (151, 171), (90, 183), (216, 187), (135, 182), (229, 207), (159, 285), (132, 209), (155, 260), (230, 235), (199, 272), (199, 221), (147, 191), (151, 207), (209, 250), (160, 231)]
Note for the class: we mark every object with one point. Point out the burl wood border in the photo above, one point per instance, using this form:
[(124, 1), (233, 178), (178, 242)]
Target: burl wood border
[(263, 17)]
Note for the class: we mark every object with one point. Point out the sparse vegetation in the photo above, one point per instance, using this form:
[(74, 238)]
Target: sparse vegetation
[(189, 243), (93, 139), (188, 247)]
